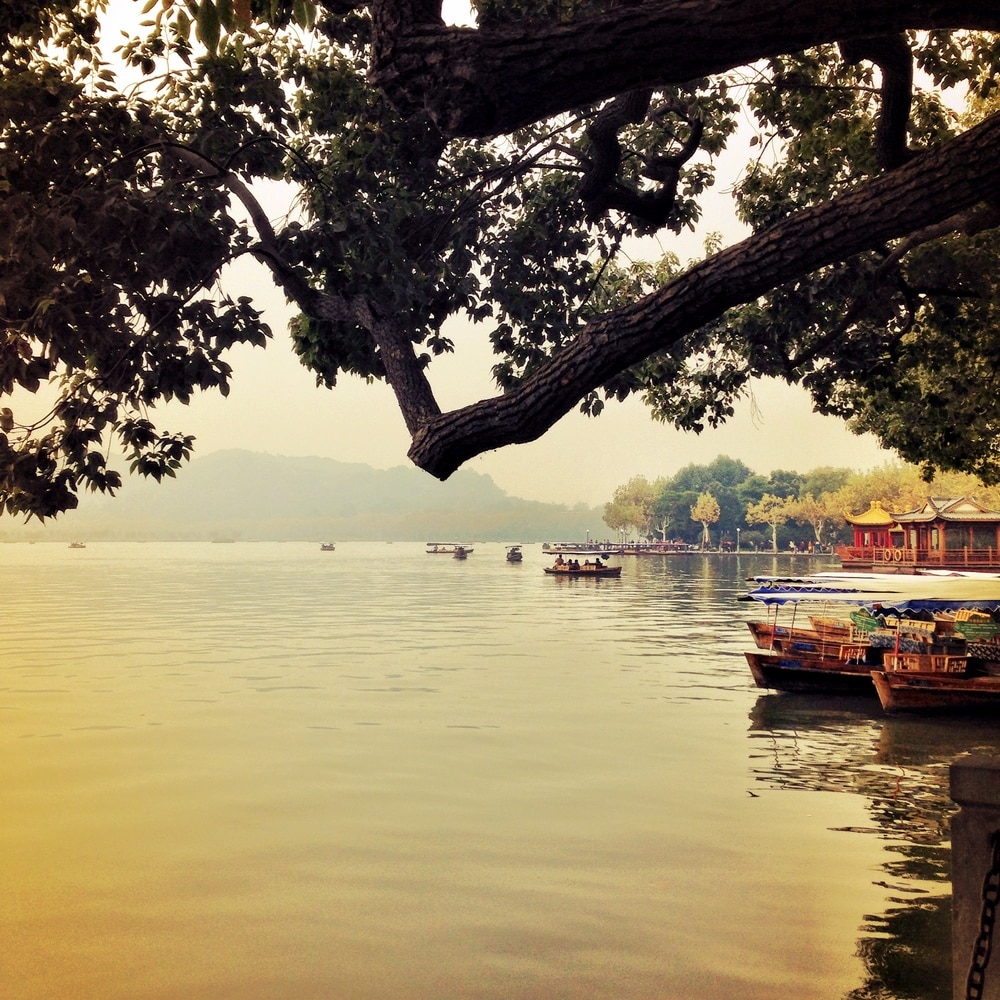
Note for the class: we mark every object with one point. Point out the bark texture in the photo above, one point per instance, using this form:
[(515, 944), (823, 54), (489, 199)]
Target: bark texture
[(489, 82), (485, 83)]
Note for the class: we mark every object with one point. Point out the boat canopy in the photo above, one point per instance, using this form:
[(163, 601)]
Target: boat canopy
[(900, 593)]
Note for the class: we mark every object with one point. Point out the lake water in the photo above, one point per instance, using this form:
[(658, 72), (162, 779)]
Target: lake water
[(259, 771)]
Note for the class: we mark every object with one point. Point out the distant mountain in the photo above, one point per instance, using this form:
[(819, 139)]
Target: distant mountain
[(249, 495)]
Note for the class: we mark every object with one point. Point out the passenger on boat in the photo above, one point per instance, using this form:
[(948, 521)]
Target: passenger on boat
[(560, 561)]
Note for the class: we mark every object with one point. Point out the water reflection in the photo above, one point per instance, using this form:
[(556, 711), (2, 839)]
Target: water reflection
[(899, 766), (383, 774)]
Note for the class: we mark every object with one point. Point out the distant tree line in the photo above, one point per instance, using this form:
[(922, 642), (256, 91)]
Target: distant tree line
[(726, 503)]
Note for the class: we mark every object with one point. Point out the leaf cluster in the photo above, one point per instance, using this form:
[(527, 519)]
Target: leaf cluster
[(111, 246)]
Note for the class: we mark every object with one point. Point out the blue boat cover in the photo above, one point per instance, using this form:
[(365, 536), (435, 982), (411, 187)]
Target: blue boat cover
[(929, 592)]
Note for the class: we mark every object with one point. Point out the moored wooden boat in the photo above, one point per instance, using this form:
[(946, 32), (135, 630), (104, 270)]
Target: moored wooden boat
[(932, 642), (787, 672), (936, 691), (820, 642)]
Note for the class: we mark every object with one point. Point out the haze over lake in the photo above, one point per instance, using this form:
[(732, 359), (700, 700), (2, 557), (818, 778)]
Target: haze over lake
[(261, 770)]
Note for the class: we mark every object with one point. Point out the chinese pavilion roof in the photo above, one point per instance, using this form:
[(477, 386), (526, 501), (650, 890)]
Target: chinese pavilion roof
[(955, 509), (875, 517)]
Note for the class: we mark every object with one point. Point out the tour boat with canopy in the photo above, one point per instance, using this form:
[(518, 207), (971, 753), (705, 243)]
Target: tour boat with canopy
[(928, 642)]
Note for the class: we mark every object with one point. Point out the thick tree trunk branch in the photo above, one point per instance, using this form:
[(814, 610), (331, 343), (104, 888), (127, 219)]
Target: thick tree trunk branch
[(936, 186), (488, 82), (403, 369), (892, 55)]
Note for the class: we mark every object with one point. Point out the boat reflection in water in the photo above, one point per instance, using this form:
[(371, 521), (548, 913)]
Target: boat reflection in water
[(899, 768)]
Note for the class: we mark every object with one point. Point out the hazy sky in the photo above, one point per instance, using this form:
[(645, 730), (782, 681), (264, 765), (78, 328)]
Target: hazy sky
[(275, 406)]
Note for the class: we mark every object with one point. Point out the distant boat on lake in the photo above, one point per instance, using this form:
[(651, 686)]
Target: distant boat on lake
[(589, 570)]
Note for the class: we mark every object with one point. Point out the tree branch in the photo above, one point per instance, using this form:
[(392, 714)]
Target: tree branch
[(404, 370), (892, 55), (936, 186), (320, 305), (487, 82)]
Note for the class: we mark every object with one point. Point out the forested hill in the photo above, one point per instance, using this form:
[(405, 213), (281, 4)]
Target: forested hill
[(248, 495)]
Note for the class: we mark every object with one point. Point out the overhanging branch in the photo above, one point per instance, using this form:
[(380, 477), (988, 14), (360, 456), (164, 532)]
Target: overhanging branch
[(936, 186), (320, 305), (480, 83)]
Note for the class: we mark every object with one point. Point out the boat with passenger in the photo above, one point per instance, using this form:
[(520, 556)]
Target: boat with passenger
[(514, 553), (587, 569), (447, 549)]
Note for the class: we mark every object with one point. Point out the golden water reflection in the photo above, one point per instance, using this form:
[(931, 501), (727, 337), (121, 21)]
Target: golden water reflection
[(252, 772), (899, 767)]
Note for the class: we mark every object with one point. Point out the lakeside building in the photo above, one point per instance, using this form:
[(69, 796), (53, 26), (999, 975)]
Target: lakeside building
[(956, 533)]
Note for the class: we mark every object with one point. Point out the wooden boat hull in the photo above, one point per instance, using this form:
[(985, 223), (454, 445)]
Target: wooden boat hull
[(813, 644), (589, 572), (782, 672), (920, 691), (805, 641)]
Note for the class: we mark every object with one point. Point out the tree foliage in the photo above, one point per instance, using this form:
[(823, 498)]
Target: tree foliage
[(632, 508), (773, 511), (827, 495), (706, 512), (817, 512), (499, 174)]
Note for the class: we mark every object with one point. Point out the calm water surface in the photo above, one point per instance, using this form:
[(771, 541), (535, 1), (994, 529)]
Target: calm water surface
[(258, 771)]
